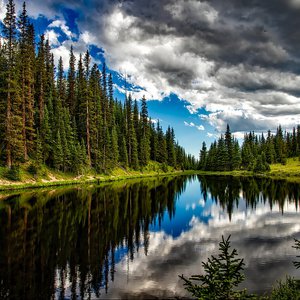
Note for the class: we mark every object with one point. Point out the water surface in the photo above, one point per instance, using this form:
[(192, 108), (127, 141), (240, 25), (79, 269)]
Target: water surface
[(133, 238)]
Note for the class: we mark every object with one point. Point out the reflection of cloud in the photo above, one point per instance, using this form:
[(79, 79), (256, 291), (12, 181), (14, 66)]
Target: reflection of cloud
[(262, 237)]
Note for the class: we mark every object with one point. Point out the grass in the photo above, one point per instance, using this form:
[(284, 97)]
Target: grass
[(290, 171), (47, 177)]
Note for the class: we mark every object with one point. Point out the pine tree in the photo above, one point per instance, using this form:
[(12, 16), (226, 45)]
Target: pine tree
[(134, 149), (71, 83), (87, 60), (39, 150), (236, 156), (123, 153), (223, 273), (58, 156), (144, 134), (222, 155), (229, 148), (61, 83), (114, 146), (23, 26), (203, 157), (161, 145), (40, 79), (170, 141), (270, 151), (154, 142), (13, 120)]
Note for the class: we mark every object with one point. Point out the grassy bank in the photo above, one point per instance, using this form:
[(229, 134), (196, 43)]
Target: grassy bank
[(290, 171), (47, 177)]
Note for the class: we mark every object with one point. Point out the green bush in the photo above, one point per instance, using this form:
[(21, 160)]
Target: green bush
[(286, 290), (13, 173), (33, 170), (222, 274), (164, 167)]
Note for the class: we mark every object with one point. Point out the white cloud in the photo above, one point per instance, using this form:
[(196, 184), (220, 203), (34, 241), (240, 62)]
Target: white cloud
[(200, 127), (188, 56), (191, 124), (2, 10), (52, 36), (62, 25), (195, 10)]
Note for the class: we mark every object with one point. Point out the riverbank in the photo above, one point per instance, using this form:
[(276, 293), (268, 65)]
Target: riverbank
[(290, 172), (48, 177)]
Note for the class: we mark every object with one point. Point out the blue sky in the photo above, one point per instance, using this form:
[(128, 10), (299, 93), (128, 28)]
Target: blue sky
[(200, 64)]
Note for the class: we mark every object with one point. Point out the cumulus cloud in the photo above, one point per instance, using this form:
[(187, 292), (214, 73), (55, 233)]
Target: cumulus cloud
[(191, 124), (238, 60), (61, 24), (52, 36)]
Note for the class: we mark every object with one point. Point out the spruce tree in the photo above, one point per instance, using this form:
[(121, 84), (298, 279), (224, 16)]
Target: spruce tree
[(161, 145), (40, 80), (144, 134), (61, 83), (170, 141), (203, 157), (13, 121), (71, 83), (229, 148), (58, 157)]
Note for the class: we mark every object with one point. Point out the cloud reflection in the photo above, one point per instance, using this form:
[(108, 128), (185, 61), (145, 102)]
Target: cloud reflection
[(263, 237)]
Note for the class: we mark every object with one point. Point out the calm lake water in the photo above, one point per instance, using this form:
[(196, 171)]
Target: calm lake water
[(132, 239)]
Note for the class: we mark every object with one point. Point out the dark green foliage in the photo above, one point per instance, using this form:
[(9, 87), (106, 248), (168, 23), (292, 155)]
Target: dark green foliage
[(33, 169), (256, 152), (261, 164), (222, 275), (73, 122), (290, 288), (13, 173), (286, 290), (203, 157)]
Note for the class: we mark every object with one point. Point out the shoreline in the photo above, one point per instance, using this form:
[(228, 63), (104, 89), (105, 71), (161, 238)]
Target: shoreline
[(275, 173), (11, 186)]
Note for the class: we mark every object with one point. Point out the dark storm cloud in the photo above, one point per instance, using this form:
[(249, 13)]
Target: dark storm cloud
[(251, 32), (223, 56)]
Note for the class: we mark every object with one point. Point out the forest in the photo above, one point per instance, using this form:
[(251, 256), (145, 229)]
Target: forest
[(69, 120), (256, 153)]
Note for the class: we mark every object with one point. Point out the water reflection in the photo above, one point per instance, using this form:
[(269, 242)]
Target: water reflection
[(133, 238)]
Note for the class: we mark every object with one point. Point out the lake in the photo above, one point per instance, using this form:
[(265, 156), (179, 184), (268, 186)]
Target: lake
[(131, 239)]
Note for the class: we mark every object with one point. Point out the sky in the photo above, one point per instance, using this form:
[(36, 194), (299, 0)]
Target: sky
[(200, 64)]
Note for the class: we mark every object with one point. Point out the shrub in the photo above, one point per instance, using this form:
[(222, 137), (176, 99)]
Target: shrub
[(222, 274), (289, 289), (32, 169), (164, 167), (13, 173)]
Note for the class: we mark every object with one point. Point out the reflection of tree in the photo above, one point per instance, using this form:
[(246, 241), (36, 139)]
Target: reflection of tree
[(72, 236), (227, 191)]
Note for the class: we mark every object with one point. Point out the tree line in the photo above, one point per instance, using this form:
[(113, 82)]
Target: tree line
[(70, 120), (256, 153)]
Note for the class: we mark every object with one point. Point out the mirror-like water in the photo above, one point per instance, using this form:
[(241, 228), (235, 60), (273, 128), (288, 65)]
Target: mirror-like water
[(132, 239)]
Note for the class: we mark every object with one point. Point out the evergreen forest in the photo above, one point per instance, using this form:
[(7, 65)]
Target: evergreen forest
[(256, 153), (69, 120)]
